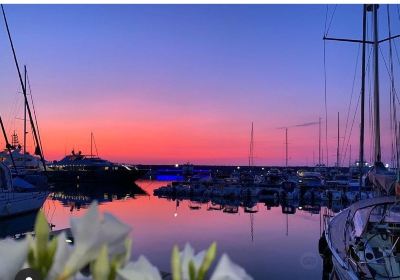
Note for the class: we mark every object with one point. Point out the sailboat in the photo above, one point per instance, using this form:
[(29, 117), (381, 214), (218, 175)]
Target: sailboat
[(363, 239), (18, 194)]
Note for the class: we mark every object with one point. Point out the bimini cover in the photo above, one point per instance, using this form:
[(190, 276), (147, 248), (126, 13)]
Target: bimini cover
[(5, 177), (360, 220), (382, 179)]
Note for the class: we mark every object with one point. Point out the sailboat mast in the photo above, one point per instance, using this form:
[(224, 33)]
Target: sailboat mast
[(376, 86), (319, 142), (91, 144), (25, 105), (287, 150), (38, 143), (349, 157), (251, 156), (338, 138), (364, 37)]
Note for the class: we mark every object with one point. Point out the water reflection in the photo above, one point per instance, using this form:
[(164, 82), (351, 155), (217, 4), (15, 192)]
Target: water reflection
[(271, 238), (81, 196), (15, 226)]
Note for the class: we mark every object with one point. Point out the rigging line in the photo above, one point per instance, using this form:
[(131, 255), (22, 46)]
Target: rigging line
[(326, 19), (330, 22), (326, 107), (352, 124), (351, 99), (34, 112), (9, 118), (397, 53), (390, 76)]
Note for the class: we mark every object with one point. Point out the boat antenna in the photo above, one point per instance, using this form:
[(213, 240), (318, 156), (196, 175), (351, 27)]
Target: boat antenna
[(38, 146)]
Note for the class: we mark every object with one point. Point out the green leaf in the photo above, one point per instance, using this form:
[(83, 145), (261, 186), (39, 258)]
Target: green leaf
[(41, 236), (101, 266), (192, 271), (128, 248), (176, 264), (208, 259)]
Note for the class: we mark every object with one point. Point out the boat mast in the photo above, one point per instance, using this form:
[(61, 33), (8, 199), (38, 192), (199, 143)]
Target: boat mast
[(319, 143), (38, 149), (25, 105), (338, 137), (376, 87), (364, 37), (251, 152), (287, 150), (91, 144)]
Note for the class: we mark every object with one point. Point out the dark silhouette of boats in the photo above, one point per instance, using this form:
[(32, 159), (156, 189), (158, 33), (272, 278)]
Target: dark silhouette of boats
[(79, 168)]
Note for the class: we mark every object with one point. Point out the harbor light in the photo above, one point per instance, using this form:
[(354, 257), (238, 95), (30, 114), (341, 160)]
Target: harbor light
[(387, 165), (238, 167), (262, 168), (176, 165)]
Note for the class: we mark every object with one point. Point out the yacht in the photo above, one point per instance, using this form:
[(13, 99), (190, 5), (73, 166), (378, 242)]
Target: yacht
[(80, 168)]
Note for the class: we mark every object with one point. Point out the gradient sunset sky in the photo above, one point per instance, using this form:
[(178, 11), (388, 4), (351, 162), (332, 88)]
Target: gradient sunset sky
[(177, 83)]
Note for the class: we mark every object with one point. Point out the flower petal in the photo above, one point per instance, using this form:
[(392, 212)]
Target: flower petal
[(142, 269), (227, 270), (13, 255), (62, 254)]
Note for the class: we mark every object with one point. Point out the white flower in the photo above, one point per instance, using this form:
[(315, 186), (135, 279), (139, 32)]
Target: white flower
[(90, 234), (142, 269), (61, 256), (227, 270), (12, 255), (188, 255)]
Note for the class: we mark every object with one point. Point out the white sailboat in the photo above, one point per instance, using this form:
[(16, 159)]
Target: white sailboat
[(363, 239), (17, 196)]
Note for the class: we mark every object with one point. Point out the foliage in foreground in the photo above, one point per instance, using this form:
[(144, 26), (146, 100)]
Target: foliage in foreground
[(102, 251)]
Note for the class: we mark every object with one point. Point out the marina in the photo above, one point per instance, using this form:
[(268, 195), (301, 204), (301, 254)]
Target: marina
[(243, 200)]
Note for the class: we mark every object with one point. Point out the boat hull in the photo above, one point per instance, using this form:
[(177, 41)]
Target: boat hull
[(17, 203), (95, 176)]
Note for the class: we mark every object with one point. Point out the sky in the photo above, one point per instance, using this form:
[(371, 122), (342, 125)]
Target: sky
[(161, 84)]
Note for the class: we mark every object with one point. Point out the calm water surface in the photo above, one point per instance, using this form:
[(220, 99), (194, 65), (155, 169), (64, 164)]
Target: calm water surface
[(268, 244)]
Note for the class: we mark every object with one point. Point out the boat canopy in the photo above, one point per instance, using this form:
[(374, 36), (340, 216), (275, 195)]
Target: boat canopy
[(373, 210), (382, 179)]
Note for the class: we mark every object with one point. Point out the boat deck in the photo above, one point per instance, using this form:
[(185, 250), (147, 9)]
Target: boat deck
[(338, 235)]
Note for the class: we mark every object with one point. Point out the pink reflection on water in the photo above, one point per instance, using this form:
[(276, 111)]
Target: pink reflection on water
[(259, 241)]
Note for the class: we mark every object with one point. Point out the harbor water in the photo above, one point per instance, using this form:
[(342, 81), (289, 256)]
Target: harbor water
[(267, 243)]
